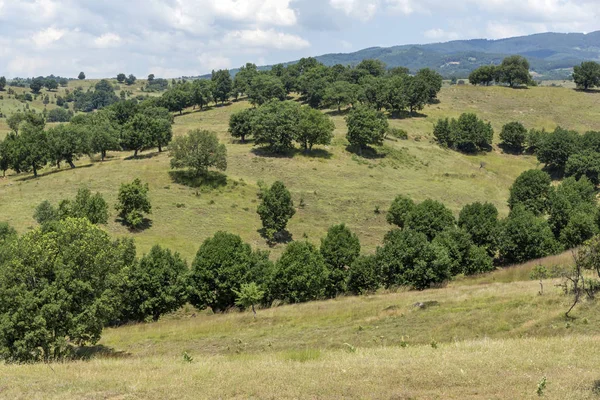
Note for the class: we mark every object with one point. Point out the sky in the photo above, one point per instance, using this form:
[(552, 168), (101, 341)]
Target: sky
[(173, 38)]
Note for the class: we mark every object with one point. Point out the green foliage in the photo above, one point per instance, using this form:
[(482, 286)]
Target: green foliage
[(276, 209), (81, 76), (201, 93), (525, 236), (484, 75), (222, 85), (480, 220), (582, 226), (339, 250), (532, 190), (568, 197), (45, 212), (198, 150), (468, 134), (249, 295), (223, 263), (121, 77), (102, 131), (514, 71), (340, 94), (59, 115), (7, 232), (407, 258), (555, 148), (430, 218), (314, 128), (92, 207), (133, 203), (154, 286), (275, 125), (241, 124), (264, 87), (178, 97), (300, 274), (56, 288), (585, 163), (587, 75), (433, 81), (399, 210), (365, 127), (364, 276), (67, 143), (513, 136)]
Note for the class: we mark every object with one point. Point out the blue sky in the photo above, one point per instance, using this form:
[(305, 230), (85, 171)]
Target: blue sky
[(171, 38)]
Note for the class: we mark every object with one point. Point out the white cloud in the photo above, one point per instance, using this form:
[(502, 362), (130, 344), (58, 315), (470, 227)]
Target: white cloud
[(107, 40), (440, 34), (47, 36), (211, 62), (265, 39), (363, 10), (274, 12), (497, 30)]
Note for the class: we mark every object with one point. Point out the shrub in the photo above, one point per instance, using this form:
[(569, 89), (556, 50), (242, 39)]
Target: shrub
[(586, 163), (133, 203), (365, 127), (45, 212), (555, 148), (569, 196), (364, 276), (7, 232), (300, 274), (480, 220), (468, 133), (198, 151), (399, 211), (513, 136), (275, 210), (581, 227)]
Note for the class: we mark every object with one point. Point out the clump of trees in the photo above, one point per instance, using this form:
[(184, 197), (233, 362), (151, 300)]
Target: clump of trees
[(468, 133), (513, 71), (198, 151), (93, 207)]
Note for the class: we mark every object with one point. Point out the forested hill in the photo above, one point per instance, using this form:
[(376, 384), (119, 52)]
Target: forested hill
[(551, 55)]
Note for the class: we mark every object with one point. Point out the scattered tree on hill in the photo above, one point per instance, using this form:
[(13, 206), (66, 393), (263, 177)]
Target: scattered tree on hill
[(7, 232), (581, 227), (222, 265), (67, 143), (102, 130), (513, 136), (364, 276), (222, 85), (275, 210), (202, 93), (465, 258), (365, 127), (468, 134), (240, 124), (275, 125), (484, 75), (85, 205), (314, 128), (585, 163), (555, 148), (244, 77), (38, 322), (156, 285), (300, 274), (263, 88), (570, 196), (36, 85), (45, 212), (2, 83), (514, 71), (130, 80), (587, 75), (249, 295), (480, 220), (433, 80), (199, 150), (399, 211), (133, 203), (339, 250), (59, 115), (430, 218), (340, 94), (32, 149), (121, 77), (531, 189)]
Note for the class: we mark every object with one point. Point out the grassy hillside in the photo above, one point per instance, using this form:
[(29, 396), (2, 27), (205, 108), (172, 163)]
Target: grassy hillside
[(336, 185), (493, 341)]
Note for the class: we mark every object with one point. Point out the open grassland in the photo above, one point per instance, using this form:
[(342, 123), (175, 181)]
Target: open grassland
[(492, 341), (334, 184)]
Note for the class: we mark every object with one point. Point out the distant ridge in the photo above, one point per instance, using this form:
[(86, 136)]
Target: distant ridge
[(551, 55)]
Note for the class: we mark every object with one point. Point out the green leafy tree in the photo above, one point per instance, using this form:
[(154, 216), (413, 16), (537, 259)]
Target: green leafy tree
[(199, 150), (581, 227), (364, 275), (51, 84), (45, 212), (177, 99), (365, 127), (156, 285), (300, 274), (59, 115), (81, 76), (7, 232), (372, 67), (514, 71), (480, 220), (373, 92), (314, 127), (202, 93), (36, 85), (430, 218), (33, 146), (484, 75), (276, 210), (222, 85), (513, 136), (433, 81), (222, 265), (587, 75), (265, 87), (417, 92), (249, 295), (2, 83), (570, 196), (525, 236), (532, 190), (67, 143), (399, 211), (102, 131), (57, 289), (275, 125), (90, 206), (15, 120), (121, 77), (585, 163), (339, 248), (340, 94), (407, 258), (241, 124), (133, 203), (244, 77), (555, 148), (130, 80)]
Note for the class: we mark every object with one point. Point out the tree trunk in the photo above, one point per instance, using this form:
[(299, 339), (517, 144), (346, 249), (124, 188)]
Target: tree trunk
[(254, 311), (135, 153), (159, 148), (34, 171), (243, 138), (103, 155)]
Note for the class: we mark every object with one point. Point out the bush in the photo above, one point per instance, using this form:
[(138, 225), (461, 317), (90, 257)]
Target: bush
[(365, 127), (7, 232), (586, 163), (480, 220), (477, 261), (156, 285), (524, 236), (300, 274), (59, 115), (222, 264), (407, 258), (399, 211), (430, 218), (555, 148), (581, 227), (468, 134), (513, 136), (45, 212), (339, 250), (457, 243), (133, 203), (398, 133), (198, 151), (569, 196), (364, 276), (531, 189)]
